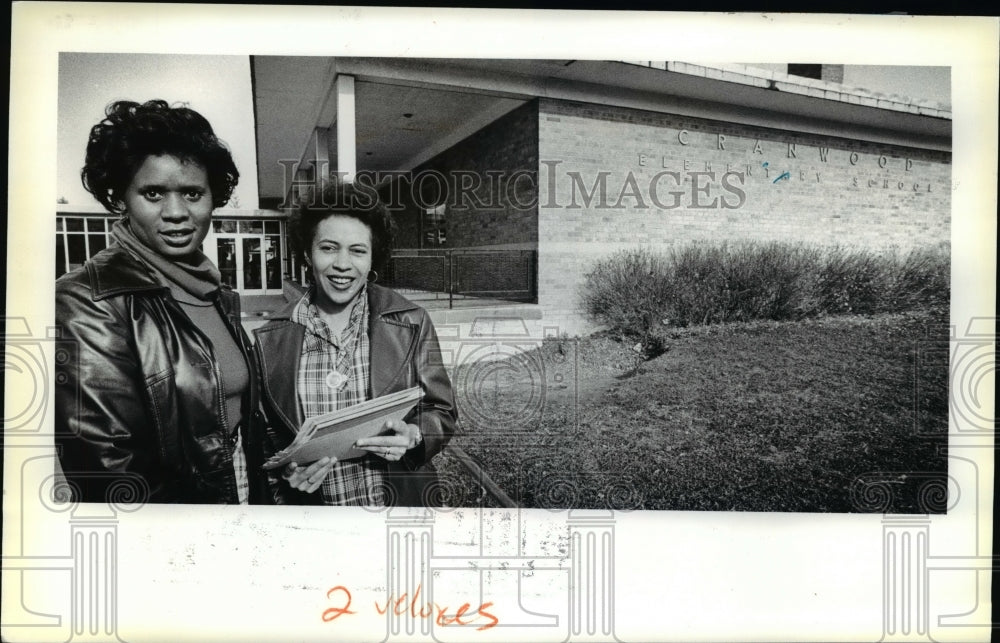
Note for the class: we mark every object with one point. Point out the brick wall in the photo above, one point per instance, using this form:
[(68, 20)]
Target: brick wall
[(790, 186), (482, 211)]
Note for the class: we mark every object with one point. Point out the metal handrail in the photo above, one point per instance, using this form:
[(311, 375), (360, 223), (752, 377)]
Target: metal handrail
[(484, 480), (451, 275)]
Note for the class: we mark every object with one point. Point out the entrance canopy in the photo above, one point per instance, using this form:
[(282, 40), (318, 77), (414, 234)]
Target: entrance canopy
[(392, 114), (403, 113)]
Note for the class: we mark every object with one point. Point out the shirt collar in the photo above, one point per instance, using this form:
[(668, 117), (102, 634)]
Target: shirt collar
[(306, 314)]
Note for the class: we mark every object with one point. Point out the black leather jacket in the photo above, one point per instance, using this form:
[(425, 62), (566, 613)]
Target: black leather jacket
[(139, 402), (404, 353)]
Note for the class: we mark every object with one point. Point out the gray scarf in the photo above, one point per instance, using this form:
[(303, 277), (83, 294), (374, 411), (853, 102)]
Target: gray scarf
[(194, 274)]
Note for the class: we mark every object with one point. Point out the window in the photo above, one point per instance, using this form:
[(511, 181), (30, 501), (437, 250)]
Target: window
[(252, 227), (79, 238), (225, 226), (433, 227), (60, 257), (76, 250)]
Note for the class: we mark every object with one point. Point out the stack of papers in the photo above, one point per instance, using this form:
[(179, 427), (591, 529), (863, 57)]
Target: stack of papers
[(334, 434)]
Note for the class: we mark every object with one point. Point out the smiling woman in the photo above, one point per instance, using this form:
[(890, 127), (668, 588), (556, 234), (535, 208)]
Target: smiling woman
[(349, 340), (339, 260), (162, 405)]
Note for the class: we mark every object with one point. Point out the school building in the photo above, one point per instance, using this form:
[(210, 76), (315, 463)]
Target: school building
[(508, 179)]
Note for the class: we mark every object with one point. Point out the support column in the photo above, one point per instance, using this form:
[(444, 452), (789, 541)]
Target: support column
[(592, 578), (347, 155), (95, 580), (321, 154), (905, 545), (408, 579)]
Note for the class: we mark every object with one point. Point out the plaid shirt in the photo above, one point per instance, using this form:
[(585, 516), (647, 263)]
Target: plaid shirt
[(333, 374), (240, 468)]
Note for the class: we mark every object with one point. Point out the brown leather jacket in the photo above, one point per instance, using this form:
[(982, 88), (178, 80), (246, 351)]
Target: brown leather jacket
[(139, 404), (404, 353)]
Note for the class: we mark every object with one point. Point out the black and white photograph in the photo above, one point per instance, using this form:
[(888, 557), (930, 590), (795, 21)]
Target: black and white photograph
[(486, 325), (672, 285)]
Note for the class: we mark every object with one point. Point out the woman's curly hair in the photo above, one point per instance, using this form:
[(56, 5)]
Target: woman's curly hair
[(344, 199), (130, 132)]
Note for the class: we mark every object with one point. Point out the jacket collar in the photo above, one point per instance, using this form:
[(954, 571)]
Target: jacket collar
[(384, 301), (116, 271), (393, 341)]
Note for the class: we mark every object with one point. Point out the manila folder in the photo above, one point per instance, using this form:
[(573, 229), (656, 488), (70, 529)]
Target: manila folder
[(334, 434)]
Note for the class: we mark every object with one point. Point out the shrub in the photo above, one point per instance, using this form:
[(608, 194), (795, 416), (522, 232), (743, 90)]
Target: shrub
[(634, 291), (850, 282), (921, 278), (766, 281), (696, 280), (628, 292), (741, 282)]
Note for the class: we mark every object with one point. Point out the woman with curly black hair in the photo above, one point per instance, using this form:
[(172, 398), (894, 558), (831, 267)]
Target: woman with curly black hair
[(348, 340), (160, 404)]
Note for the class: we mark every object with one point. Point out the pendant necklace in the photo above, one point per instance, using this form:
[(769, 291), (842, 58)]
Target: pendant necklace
[(336, 380)]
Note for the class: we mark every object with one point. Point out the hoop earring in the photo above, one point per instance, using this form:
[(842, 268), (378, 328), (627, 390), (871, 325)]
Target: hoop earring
[(376, 276)]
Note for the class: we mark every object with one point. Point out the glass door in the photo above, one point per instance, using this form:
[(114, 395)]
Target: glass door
[(272, 262), (225, 248), (248, 255), (253, 265)]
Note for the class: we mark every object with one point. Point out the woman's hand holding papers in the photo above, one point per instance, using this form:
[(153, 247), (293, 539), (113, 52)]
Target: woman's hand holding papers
[(309, 478), (392, 447)]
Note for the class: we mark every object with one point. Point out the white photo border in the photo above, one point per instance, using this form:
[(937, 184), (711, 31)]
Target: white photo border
[(163, 573)]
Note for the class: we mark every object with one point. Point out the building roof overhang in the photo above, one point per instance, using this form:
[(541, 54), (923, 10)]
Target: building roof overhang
[(408, 110)]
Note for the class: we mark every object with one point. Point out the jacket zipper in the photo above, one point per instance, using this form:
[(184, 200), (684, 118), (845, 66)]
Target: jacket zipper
[(220, 395)]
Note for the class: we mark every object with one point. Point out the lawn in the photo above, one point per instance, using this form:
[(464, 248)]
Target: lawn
[(840, 414)]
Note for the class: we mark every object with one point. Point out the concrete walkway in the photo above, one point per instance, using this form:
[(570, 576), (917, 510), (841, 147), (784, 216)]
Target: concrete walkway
[(257, 309), (261, 305), (474, 329)]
